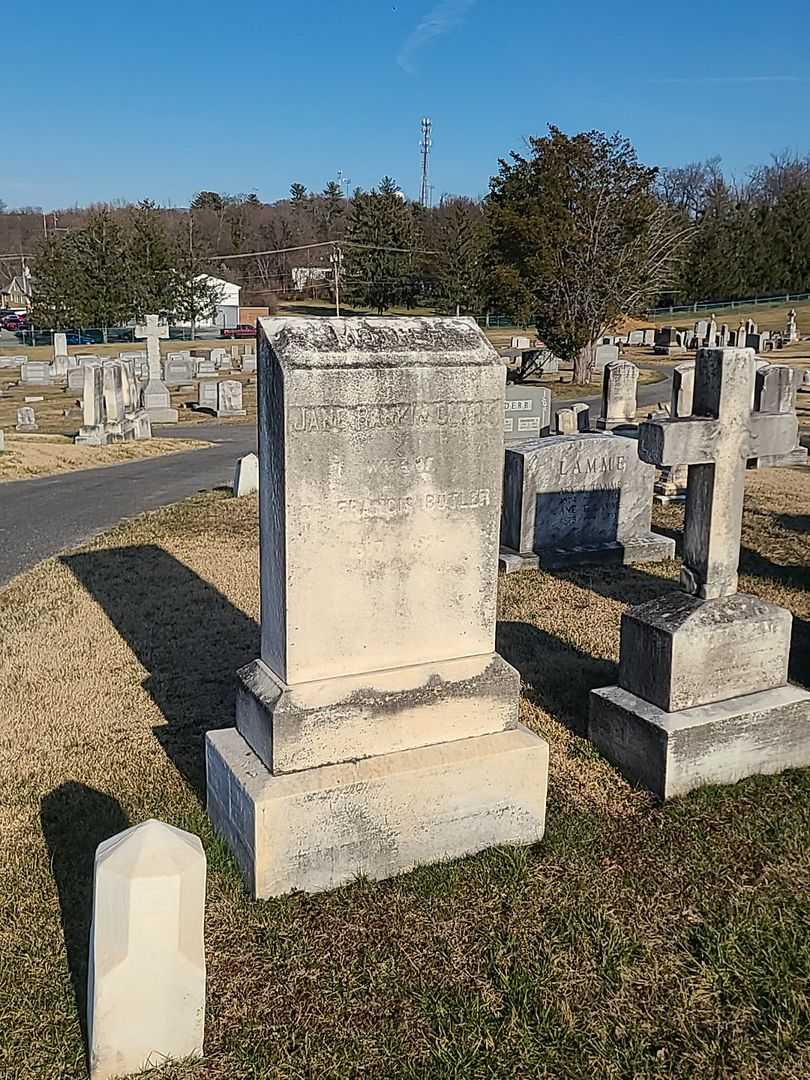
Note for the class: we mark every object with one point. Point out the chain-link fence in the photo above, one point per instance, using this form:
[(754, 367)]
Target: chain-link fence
[(111, 335)]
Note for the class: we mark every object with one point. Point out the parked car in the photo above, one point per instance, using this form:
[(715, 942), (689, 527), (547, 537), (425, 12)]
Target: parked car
[(73, 337), (242, 330), (13, 322)]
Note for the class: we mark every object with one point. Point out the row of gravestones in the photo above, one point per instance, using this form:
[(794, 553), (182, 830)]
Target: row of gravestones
[(587, 498), (669, 341), (177, 368)]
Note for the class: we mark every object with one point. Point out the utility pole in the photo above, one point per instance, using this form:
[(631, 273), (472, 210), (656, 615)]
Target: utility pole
[(424, 148), (336, 258)]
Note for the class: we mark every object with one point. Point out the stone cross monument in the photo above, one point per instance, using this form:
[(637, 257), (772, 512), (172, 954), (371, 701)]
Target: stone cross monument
[(703, 695), (156, 397), (379, 728)]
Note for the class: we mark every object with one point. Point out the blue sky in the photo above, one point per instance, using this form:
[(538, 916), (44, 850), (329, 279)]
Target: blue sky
[(123, 100)]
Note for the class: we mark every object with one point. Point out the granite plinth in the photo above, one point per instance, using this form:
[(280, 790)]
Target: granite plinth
[(679, 652), (322, 828), (329, 721), (672, 753), (651, 547)]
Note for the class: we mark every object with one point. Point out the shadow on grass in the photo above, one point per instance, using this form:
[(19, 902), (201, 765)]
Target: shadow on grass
[(75, 820), (188, 636), (559, 676), (627, 584)]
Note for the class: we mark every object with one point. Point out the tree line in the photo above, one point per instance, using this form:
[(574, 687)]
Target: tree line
[(574, 233)]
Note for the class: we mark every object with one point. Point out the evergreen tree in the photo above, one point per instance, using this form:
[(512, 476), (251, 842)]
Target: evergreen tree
[(57, 267), (460, 276), (580, 239), (382, 270), (103, 297), (150, 261), (298, 193)]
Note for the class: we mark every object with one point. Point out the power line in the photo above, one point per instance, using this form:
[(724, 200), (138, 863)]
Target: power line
[(322, 244)]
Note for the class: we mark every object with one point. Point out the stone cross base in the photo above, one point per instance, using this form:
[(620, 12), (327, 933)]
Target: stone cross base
[(320, 828), (645, 547), (671, 754), (92, 436), (714, 707)]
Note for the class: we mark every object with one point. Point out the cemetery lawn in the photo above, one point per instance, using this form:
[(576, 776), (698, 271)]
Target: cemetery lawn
[(26, 457), (635, 942)]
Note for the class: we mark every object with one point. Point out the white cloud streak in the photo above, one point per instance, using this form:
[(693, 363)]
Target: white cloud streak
[(445, 16)]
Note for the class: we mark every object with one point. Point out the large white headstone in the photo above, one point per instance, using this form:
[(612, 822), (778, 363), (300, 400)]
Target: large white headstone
[(146, 972), (379, 727)]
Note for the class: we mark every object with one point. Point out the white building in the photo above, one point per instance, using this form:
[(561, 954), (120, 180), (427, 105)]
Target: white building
[(227, 310)]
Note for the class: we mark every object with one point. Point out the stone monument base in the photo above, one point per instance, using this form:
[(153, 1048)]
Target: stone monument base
[(798, 456), (671, 753), (669, 350), (231, 412), (162, 415), (381, 816), (92, 436), (345, 718), (649, 547)]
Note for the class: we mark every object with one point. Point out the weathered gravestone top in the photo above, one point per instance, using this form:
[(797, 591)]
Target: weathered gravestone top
[(578, 498), (156, 397), (26, 420), (378, 704)]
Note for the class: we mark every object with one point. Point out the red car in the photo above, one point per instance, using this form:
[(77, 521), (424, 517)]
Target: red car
[(14, 322), (242, 330)]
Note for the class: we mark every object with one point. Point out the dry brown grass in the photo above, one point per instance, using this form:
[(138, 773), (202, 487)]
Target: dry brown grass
[(633, 942), (28, 456)]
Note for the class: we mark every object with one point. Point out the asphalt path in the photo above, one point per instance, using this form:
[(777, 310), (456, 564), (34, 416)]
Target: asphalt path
[(42, 517), (45, 516)]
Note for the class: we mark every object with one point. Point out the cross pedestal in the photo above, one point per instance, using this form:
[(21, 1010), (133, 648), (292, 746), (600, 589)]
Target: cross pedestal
[(156, 397), (703, 695)]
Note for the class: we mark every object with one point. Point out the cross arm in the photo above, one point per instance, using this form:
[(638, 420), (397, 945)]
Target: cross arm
[(688, 441)]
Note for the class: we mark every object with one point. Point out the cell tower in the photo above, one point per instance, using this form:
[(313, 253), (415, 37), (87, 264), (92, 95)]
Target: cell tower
[(425, 145)]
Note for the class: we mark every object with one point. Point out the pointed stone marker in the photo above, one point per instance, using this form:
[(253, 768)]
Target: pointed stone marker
[(146, 972), (246, 478)]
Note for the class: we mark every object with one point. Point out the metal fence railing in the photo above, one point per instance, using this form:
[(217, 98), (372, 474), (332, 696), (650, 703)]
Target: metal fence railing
[(720, 305), (112, 335)]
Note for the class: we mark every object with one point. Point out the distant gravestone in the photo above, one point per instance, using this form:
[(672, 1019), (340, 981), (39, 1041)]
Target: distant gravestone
[(12, 361), (221, 358), (565, 421), (36, 373), (582, 413), (2, 440), (146, 971), (75, 379), (60, 345), (205, 366), (527, 412), (521, 343), (26, 420), (668, 342), (381, 447), (619, 390), (580, 498), (775, 387), (229, 398), (246, 477), (179, 370), (672, 479), (603, 355), (93, 431), (207, 395), (249, 363)]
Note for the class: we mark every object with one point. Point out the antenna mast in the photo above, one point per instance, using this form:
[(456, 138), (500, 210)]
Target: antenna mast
[(425, 145)]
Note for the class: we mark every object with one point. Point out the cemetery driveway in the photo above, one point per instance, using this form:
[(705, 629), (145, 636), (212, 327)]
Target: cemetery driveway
[(42, 517)]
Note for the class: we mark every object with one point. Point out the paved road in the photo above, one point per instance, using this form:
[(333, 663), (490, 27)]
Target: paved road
[(39, 518)]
